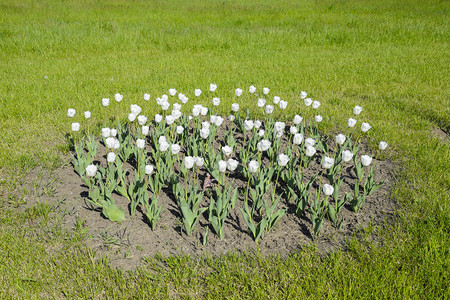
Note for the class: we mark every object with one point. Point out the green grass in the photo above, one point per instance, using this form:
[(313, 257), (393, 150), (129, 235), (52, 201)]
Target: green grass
[(390, 57)]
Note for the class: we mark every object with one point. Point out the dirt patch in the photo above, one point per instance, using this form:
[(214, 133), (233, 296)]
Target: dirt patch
[(440, 134), (129, 242)]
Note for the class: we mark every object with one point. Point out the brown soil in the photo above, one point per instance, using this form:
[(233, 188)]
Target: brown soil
[(129, 242)]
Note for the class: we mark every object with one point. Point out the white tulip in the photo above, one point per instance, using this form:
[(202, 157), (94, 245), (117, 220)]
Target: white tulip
[(383, 145), (204, 133), (310, 151), (175, 148), (189, 162), (196, 110), (105, 102), (145, 130), (297, 120), (283, 160), (309, 142), (222, 166), (269, 109), (91, 170), (116, 144), (357, 110), (140, 143), (206, 124), (365, 127), (159, 101), (248, 124), (176, 114), (257, 124), (276, 100), (165, 105), (118, 97), (303, 94), (149, 169), (131, 117), (253, 166), (71, 112), (158, 118), (216, 101), (75, 126), (110, 142), (293, 129), (135, 109), (164, 146), (318, 118), (172, 92), (106, 132), (165, 97), (87, 114), (265, 91), (231, 118), (142, 120), (218, 121), (199, 161), (315, 104), (261, 132), (176, 107), (146, 97), (212, 87), (238, 92), (162, 139), (180, 129), (366, 160), (308, 101), (113, 132), (170, 119), (351, 122), (252, 89), (347, 155), (279, 126), (283, 104), (111, 157), (263, 145), (227, 150), (232, 164), (204, 111), (235, 107), (278, 134), (261, 102), (327, 162), (328, 189), (298, 138), (340, 139), (197, 92)]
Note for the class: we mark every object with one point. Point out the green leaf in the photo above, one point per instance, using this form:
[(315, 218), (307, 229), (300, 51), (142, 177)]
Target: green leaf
[(113, 213)]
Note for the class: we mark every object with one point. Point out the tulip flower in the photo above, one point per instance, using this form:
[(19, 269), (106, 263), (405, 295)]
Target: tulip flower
[(212, 87), (365, 127), (189, 162), (105, 102), (175, 148), (170, 119), (116, 144), (383, 145), (113, 132), (196, 110), (366, 160), (265, 91), (204, 132), (235, 107), (140, 143), (176, 106), (142, 120), (131, 117), (158, 118), (165, 105), (261, 102), (248, 124), (111, 157), (297, 120), (206, 124), (303, 94), (75, 127), (340, 139), (269, 109), (351, 122), (257, 124), (298, 138), (135, 109), (309, 142), (216, 101), (222, 166), (315, 104), (199, 161), (106, 132), (232, 164), (110, 142), (118, 97), (253, 166), (145, 130), (91, 170), (197, 92), (328, 189), (293, 130), (252, 89), (308, 101), (149, 169), (283, 104), (238, 92), (276, 100), (172, 92), (279, 126), (283, 160), (180, 129), (204, 111), (310, 151), (231, 118), (146, 97), (87, 114), (227, 150), (327, 162), (71, 112), (261, 132), (357, 110), (163, 146), (218, 121), (347, 155), (263, 145)]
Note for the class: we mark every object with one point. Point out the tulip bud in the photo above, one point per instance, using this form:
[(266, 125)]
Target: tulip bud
[(328, 189), (253, 166), (149, 169), (111, 157), (222, 166), (140, 143), (91, 170)]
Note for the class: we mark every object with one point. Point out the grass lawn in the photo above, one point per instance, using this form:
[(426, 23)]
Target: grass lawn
[(390, 57)]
